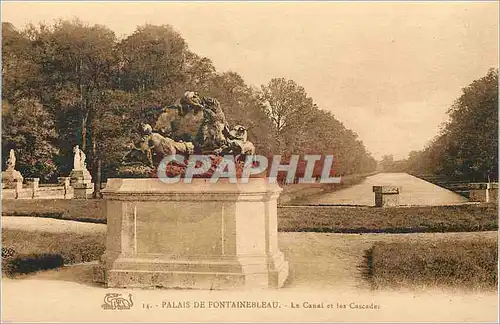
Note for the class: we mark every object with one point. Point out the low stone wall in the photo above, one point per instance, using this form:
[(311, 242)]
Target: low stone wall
[(32, 189), (298, 191), (474, 191), (484, 192), (40, 193)]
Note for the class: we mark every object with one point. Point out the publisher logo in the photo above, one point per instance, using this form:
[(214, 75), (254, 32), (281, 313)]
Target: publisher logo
[(116, 301)]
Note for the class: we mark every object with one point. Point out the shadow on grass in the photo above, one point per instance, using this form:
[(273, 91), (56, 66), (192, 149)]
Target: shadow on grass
[(366, 268), (27, 263), (394, 230)]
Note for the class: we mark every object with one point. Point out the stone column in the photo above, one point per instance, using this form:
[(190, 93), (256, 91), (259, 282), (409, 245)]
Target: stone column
[(65, 182), (83, 190), (492, 192), (386, 196), (18, 186), (33, 184)]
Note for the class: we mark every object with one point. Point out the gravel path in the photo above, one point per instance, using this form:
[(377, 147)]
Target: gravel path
[(315, 258), (324, 268), (50, 225), (62, 299), (324, 260)]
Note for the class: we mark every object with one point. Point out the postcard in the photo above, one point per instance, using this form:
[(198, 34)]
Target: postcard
[(249, 161)]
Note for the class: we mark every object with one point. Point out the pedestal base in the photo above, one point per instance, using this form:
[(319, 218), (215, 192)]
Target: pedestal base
[(386, 196), (12, 179), (206, 274), (80, 176), (81, 181), (83, 190), (198, 235)]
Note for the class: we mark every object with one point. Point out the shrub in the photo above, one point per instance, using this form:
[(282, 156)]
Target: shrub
[(27, 251), (26, 263), (470, 263)]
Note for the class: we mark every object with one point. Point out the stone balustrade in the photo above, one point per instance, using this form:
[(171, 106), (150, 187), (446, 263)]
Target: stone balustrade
[(483, 192), (65, 183), (33, 184)]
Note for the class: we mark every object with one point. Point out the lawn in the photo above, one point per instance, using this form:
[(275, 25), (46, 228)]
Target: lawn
[(329, 219), (452, 259), (464, 263), (333, 219), (29, 251)]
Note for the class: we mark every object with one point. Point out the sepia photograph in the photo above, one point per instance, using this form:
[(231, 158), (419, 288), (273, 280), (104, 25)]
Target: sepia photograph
[(249, 161)]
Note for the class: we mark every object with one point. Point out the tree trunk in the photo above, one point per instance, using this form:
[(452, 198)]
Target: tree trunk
[(84, 132), (96, 167), (98, 179)]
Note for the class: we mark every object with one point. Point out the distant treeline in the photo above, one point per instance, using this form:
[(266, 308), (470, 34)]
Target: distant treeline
[(72, 83), (466, 148)]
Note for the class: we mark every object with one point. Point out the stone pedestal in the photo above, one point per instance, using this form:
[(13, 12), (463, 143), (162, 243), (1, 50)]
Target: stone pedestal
[(492, 192), (386, 196), (33, 184), (199, 235), (65, 182), (12, 179), (81, 181)]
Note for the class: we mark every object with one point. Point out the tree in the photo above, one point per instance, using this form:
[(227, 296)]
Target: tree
[(387, 163), (473, 129), (28, 129), (77, 63), (300, 127), (199, 73), (290, 110), (111, 131), (243, 106), (95, 90), (152, 64), (19, 70), (467, 146)]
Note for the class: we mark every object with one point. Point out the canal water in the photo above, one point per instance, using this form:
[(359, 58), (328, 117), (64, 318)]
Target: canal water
[(415, 192)]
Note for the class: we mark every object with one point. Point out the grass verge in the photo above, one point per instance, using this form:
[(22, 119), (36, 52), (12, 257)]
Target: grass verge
[(302, 193), (328, 219), (469, 264), (25, 252), (83, 210), (335, 219)]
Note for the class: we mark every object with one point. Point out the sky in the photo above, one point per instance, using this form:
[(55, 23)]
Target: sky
[(388, 70)]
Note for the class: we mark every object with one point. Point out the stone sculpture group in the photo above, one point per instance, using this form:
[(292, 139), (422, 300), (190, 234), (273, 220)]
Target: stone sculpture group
[(195, 126), (197, 234)]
